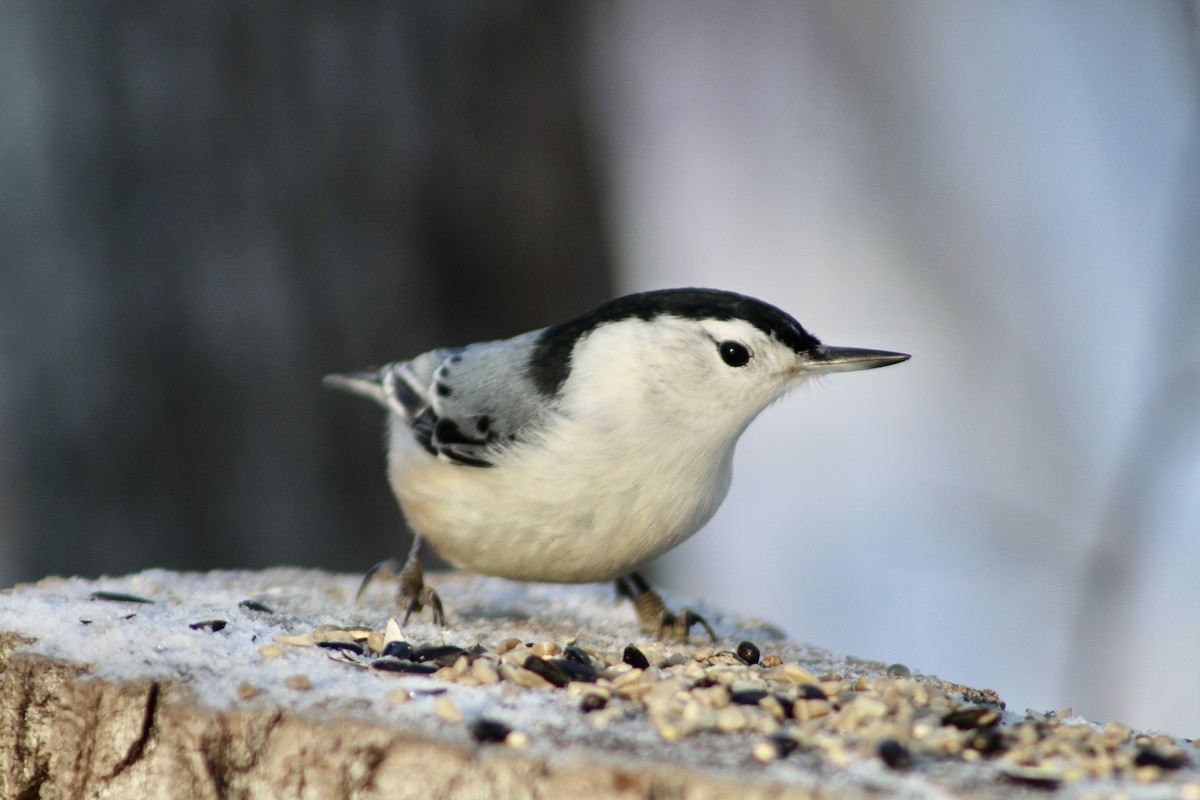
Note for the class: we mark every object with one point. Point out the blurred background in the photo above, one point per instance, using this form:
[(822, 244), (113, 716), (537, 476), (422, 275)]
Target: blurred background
[(206, 207)]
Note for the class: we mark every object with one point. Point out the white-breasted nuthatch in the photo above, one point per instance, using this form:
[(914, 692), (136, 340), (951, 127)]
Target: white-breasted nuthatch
[(579, 452)]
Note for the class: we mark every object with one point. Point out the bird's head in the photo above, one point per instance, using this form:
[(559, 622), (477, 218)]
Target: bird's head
[(698, 356)]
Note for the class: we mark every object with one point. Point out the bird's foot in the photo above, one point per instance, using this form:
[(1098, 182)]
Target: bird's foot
[(653, 612), (413, 594)]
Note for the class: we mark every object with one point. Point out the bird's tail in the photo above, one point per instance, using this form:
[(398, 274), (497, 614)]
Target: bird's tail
[(365, 384)]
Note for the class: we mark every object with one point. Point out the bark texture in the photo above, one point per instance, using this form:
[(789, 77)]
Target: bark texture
[(66, 735), (278, 684)]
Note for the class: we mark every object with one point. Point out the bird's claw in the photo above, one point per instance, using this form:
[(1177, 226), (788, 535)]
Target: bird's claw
[(388, 569), (413, 594), (425, 597), (653, 613), (678, 626)]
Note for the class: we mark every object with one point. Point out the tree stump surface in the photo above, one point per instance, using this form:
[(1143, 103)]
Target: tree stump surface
[(273, 684)]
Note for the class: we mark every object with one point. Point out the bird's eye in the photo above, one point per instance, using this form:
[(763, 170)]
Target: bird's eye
[(734, 354)]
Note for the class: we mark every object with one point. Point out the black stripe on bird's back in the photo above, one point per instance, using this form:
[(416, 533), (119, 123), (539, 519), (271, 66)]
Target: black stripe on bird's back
[(551, 362)]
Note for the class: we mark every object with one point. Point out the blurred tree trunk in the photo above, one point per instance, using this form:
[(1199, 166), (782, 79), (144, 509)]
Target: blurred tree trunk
[(205, 207)]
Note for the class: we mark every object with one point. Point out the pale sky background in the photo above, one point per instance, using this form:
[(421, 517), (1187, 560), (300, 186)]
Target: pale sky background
[(1010, 193)]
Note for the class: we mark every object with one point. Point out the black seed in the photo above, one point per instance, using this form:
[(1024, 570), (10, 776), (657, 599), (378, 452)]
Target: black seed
[(1153, 757), (213, 625), (254, 605), (593, 702), (748, 652), (576, 654), (971, 717), (400, 665), (477, 650), (749, 697), (437, 652), (343, 647), (548, 670), (398, 650), (811, 691), (899, 671), (584, 673), (894, 754), (784, 745), (986, 741), (788, 705), (489, 730), (635, 658), (119, 597), (1031, 777)]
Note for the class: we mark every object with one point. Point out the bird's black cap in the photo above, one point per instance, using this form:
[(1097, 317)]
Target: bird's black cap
[(551, 361)]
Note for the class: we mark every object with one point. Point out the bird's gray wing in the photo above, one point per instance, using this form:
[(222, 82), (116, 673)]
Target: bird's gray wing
[(463, 404)]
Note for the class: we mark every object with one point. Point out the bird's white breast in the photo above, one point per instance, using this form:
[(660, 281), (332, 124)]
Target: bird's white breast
[(577, 505)]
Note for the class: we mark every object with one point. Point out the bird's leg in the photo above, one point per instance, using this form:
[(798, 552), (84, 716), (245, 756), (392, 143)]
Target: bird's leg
[(413, 593), (653, 613)]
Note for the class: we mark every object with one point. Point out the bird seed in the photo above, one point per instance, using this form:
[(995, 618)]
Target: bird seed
[(886, 714)]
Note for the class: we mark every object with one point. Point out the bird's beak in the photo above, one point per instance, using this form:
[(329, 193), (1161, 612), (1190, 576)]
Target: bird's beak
[(823, 359)]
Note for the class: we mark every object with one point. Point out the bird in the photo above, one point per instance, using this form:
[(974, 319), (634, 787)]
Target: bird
[(580, 452)]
